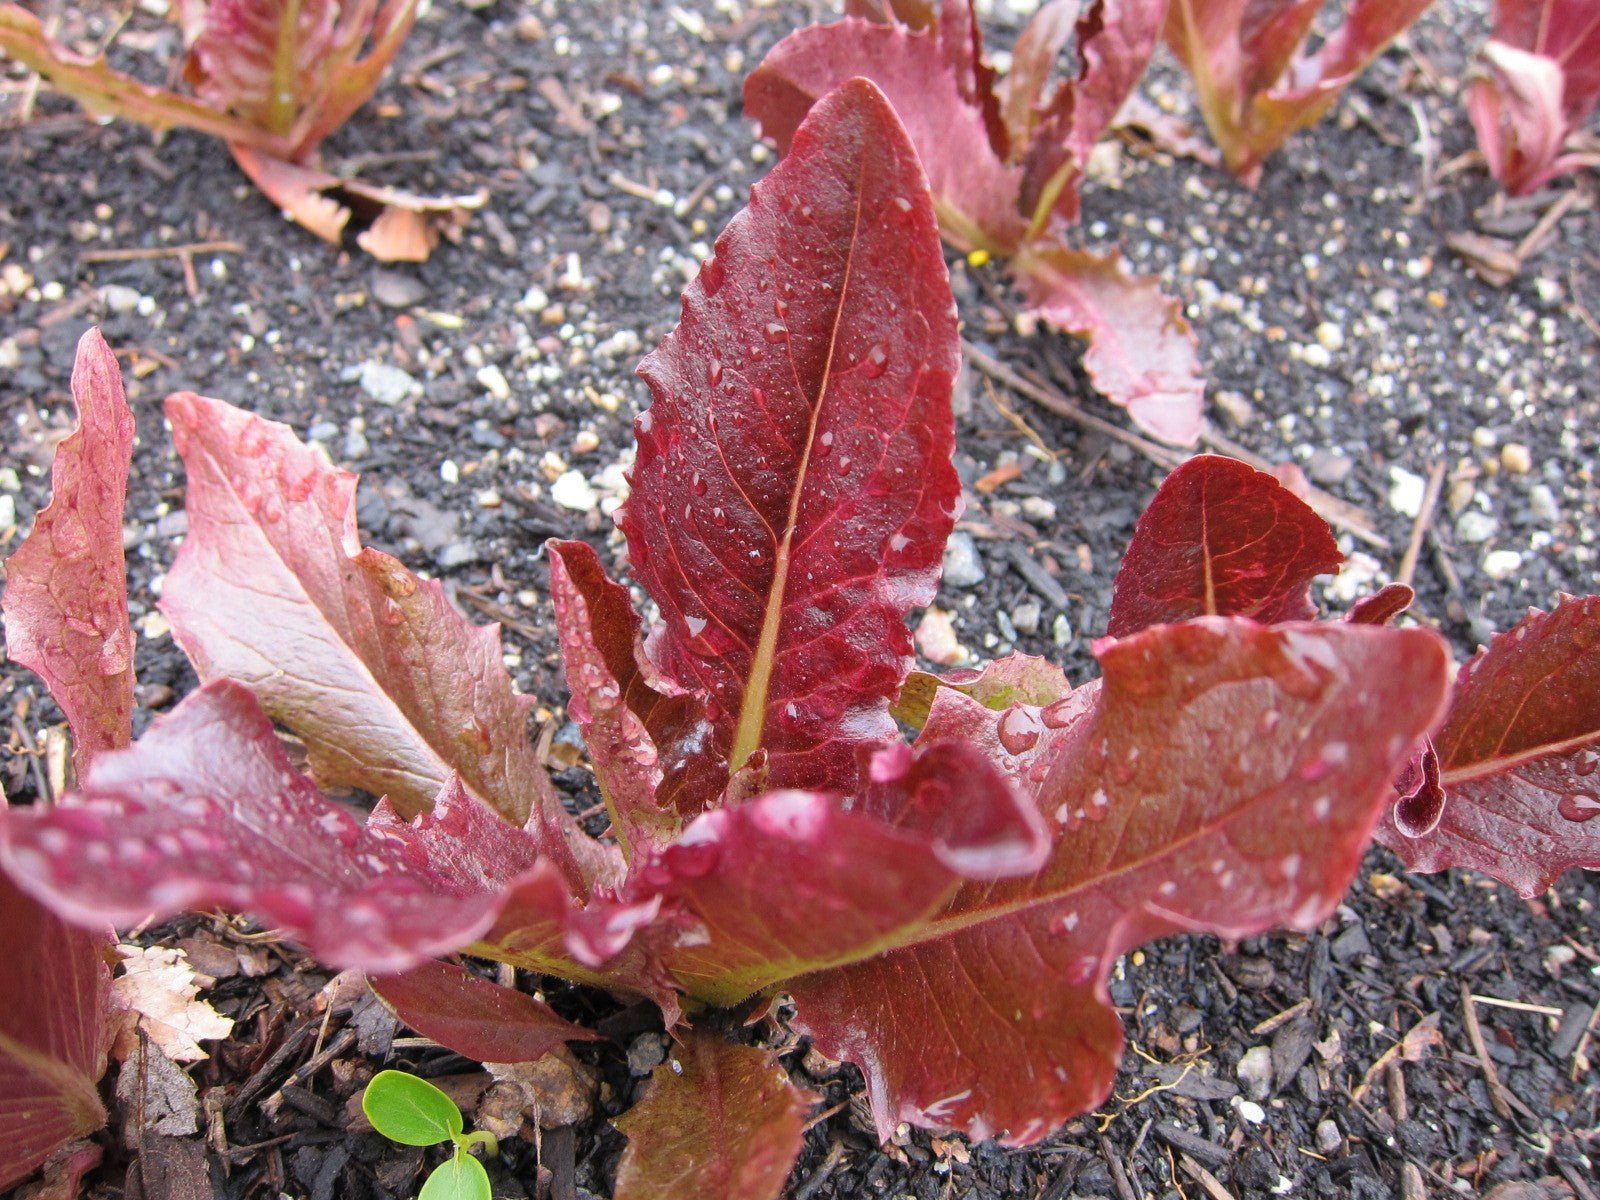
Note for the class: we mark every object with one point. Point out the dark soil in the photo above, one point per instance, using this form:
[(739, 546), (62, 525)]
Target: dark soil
[(1339, 333)]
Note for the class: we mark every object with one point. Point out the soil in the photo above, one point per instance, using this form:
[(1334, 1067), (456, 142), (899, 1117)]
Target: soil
[(1338, 330)]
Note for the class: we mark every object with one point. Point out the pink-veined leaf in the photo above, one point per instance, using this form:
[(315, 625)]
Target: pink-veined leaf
[(717, 1122), (795, 881), (54, 999), (1255, 82), (391, 689), (206, 810), (998, 684), (1225, 779), (917, 14), (1541, 82), (646, 746), (1518, 758), (1141, 351), (1221, 539), (793, 486), (472, 1016), (66, 593), (975, 191)]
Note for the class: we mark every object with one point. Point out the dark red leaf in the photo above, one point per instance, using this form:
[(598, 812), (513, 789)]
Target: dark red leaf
[(1383, 606), (793, 487), (1518, 758), (647, 747), (717, 1122), (1141, 350), (1226, 778), (1221, 539), (55, 991), (391, 689), (468, 1014), (66, 595)]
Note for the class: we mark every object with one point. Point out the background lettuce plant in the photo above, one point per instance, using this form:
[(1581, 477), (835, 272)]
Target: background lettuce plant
[(943, 911)]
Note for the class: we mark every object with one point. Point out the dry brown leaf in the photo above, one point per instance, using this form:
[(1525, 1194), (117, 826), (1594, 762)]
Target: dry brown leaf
[(553, 1091), (157, 994)]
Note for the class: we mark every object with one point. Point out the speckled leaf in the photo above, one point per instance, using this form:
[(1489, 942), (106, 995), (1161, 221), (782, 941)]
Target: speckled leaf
[(717, 1122), (206, 810), (54, 997), (795, 881), (1221, 539), (650, 750), (998, 684), (1141, 350), (1519, 757), (472, 1016), (793, 487), (1540, 82), (975, 191), (391, 689), (1226, 779), (66, 592)]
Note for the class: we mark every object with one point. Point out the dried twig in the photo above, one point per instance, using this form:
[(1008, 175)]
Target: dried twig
[(1212, 1185), (1430, 502), (1491, 1076)]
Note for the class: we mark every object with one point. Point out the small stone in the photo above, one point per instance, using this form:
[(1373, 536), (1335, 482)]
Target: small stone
[(585, 441), (1330, 337), (963, 566), (456, 554), (1406, 489), (1542, 503), (1037, 508), (8, 510), (1329, 1139), (1255, 1072), (355, 446), (493, 381), (489, 498), (1061, 630), (449, 472), (936, 639), (1316, 355), (394, 289), (535, 299), (1235, 407), (1473, 528), (387, 383), (1329, 467), (119, 298), (572, 490), (645, 1053), (1485, 438), (1025, 617), (1501, 565), (1250, 1111), (1515, 458)]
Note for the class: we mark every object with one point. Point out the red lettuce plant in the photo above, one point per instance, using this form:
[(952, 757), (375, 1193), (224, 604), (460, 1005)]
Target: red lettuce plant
[(272, 78), (1540, 82), (945, 913), (1005, 158), (1257, 82)]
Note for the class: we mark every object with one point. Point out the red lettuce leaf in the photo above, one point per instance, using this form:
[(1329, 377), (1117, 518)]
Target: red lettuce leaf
[(1221, 539), (55, 993), (1518, 758), (1383, 606), (1541, 82), (794, 881), (472, 1016), (1225, 779), (206, 810), (717, 1122), (66, 594), (1256, 83), (647, 746), (793, 486), (1014, 679), (1141, 350), (391, 689)]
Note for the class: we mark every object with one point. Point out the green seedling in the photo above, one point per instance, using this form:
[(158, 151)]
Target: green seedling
[(413, 1112)]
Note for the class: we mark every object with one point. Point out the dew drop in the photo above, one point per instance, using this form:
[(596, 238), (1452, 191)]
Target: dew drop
[(825, 441), (712, 275), (643, 421), (714, 372), (697, 484), (843, 466), (902, 203), (718, 517), (1059, 714), (876, 360), (776, 331), (696, 625), (1579, 807), (1586, 762), (1019, 730)]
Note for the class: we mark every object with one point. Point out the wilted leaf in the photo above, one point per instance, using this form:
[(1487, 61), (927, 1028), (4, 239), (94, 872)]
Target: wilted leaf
[(473, 1016), (793, 486), (1519, 757), (647, 747), (66, 593), (553, 1090), (391, 689), (1221, 539), (158, 998), (53, 1033), (1141, 350), (1226, 779), (717, 1122)]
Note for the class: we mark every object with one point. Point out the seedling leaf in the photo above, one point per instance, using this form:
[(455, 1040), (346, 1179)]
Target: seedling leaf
[(410, 1110)]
